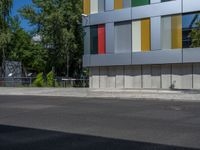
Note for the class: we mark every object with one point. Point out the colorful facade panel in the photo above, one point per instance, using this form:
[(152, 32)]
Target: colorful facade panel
[(171, 30), (101, 39), (86, 7)]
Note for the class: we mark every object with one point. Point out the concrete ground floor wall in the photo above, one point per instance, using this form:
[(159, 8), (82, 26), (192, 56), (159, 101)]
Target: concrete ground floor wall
[(175, 76)]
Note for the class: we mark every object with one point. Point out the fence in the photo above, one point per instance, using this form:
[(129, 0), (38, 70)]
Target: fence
[(28, 82)]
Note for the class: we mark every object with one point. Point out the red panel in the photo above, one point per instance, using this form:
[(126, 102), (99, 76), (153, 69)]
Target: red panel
[(101, 39)]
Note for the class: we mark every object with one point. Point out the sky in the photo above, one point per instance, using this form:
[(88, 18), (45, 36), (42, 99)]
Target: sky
[(18, 4)]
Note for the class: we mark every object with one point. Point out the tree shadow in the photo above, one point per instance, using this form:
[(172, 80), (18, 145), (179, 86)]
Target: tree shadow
[(20, 138)]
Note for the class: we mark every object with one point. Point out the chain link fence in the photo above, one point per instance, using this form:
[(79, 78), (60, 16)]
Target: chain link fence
[(29, 82)]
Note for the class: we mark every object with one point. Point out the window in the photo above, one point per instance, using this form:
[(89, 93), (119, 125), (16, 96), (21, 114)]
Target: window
[(141, 35), (97, 39), (166, 0), (140, 2), (190, 23), (119, 4), (123, 37), (171, 30)]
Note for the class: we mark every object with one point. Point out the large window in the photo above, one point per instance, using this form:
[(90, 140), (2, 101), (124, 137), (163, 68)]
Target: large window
[(166, 0), (123, 37), (119, 4), (140, 2), (171, 30), (97, 39), (191, 30)]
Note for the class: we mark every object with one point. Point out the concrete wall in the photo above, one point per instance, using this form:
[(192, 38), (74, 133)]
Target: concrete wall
[(177, 76)]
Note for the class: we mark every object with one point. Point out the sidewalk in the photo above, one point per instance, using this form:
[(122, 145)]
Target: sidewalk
[(177, 95)]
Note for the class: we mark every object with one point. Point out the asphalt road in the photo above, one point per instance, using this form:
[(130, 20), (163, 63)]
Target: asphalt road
[(58, 123)]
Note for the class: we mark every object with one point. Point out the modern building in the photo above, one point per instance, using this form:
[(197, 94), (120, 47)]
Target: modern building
[(142, 43)]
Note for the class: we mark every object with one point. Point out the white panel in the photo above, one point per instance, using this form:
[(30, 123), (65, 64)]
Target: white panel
[(156, 76), (111, 77), (187, 76), (166, 76), (166, 33), (93, 6), (136, 36), (120, 77), (146, 76), (103, 77), (128, 77)]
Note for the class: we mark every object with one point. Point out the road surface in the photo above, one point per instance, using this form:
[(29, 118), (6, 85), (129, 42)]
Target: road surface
[(61, 123)]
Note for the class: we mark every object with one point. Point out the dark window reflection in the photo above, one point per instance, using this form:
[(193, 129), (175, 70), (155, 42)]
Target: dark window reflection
[(165, 0), (189, 23)]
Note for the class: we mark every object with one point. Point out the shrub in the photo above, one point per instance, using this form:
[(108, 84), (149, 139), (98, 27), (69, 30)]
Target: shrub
[(39, 81), (51, 79)]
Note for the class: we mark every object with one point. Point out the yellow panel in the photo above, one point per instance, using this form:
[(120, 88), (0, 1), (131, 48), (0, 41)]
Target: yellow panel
[(86, 7), (176, 31), (145, 35), (118, 4)]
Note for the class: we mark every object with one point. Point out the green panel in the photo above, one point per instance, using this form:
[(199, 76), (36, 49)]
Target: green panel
[(139, 2), (94, 39)]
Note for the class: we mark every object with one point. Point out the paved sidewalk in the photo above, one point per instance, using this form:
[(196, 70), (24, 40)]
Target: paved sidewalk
[(178, 95)]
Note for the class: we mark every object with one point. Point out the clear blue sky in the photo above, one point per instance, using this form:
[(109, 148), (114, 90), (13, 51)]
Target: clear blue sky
[(17, 5)]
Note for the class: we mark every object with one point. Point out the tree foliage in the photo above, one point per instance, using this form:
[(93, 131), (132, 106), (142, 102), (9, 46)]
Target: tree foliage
[(58, 22)]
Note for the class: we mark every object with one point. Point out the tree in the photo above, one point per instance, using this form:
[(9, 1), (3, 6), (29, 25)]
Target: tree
[(22, 48), (5, 8), (195, 36), (58, 23)]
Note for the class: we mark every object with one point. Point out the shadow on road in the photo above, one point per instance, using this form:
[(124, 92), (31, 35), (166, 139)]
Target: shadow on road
[(18, 138)]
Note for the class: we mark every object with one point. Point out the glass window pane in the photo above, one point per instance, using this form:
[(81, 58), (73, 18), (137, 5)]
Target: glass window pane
[(140, 2), (94, 39), (123, 37), (191, 28)]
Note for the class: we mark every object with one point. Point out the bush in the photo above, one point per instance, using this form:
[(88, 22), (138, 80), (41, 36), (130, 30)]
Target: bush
[(51, 79), (39, 81)]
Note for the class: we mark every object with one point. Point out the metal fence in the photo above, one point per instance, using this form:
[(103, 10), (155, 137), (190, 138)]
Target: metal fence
[(29, 82)]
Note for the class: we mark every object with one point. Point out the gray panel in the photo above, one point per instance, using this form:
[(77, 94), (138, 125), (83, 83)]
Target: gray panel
[(166, 77), (103, 77), (109, 5), (111, 16), (119, 77), (158, 9), (155, 33), (110, 31), (86, 36), (191, 55), (86, 60), (191, 5), (85, 21), (196, 76), (126, 3), (109, 60), (156, 76), (146, 76), (123, 37), (157, 57), (155, 1), (101, 6)]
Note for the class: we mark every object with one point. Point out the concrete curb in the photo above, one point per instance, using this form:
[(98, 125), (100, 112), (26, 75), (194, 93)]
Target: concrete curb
[(170, 95)]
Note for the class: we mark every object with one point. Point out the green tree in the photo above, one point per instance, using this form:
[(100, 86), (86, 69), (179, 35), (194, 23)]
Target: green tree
[(195, 36), (22, 48), (5, 8), (58, 23)]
